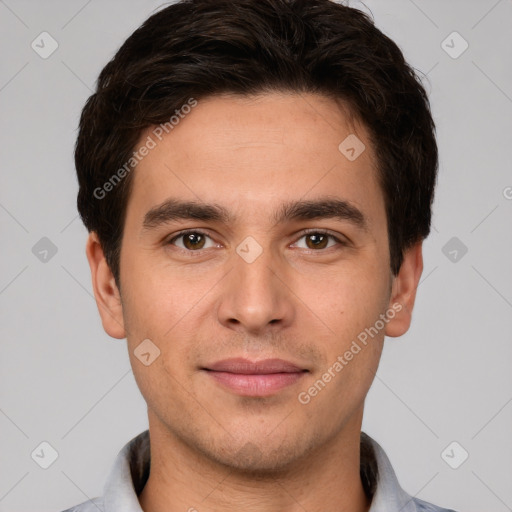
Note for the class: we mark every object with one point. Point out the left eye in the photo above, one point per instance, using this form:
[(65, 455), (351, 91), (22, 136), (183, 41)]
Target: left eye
[(318, 240)]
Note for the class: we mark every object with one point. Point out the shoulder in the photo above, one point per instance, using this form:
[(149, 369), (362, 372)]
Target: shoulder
[(423, 506), (87, 506), (388, 495)]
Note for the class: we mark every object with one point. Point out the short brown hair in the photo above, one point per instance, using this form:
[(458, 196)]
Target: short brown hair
[(200, 48)]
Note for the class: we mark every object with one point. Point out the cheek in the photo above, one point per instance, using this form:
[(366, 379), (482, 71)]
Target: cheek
[(158, 297), (155, 383), (164, 309), (348, 299)]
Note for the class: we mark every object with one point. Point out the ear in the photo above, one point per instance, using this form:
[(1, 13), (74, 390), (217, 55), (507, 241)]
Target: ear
[(108, 298), (403, 291)]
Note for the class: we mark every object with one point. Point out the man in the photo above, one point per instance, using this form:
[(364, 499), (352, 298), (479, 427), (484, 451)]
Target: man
[(257, 180)]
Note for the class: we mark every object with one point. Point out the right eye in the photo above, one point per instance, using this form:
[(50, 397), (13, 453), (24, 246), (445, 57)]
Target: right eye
[(192, 240)]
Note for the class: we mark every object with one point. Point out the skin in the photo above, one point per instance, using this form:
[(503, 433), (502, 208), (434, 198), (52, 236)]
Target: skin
[(212, 449)]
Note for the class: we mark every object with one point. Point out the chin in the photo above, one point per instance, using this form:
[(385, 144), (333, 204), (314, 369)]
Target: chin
[(261, 459)]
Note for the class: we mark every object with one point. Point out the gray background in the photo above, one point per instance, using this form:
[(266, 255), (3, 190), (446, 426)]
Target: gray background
[(64, 381)]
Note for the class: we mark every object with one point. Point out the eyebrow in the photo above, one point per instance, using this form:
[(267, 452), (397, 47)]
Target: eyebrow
[(323, 208)]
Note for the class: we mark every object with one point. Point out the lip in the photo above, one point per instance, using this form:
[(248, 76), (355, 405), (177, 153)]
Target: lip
[(247, 367), (255, 378)]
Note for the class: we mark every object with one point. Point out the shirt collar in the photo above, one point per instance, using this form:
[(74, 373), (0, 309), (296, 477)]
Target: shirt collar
[(388, 495), (131, 471)]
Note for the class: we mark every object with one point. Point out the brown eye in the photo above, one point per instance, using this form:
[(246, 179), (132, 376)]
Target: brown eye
[(192, 240), (317, 241)]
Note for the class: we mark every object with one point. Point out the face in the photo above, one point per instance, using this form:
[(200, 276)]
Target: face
[(286, 257)]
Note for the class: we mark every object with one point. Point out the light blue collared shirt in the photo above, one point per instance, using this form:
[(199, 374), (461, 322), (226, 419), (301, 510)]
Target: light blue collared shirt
[(131, 471)]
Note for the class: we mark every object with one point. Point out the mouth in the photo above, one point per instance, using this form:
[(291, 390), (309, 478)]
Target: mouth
[(255, 378)]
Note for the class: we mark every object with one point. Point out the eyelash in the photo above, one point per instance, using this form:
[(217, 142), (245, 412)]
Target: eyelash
[(304, 233)]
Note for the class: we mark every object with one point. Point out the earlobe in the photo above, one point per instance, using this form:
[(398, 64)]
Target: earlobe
[(105, 289), (403, 292)]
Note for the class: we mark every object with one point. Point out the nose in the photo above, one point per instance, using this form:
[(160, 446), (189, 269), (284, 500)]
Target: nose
[(256, 296)]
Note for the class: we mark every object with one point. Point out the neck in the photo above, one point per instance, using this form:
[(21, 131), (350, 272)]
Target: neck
[(182, 479)]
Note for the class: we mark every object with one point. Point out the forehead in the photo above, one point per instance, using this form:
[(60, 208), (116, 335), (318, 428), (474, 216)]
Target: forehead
[(249, 152)]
